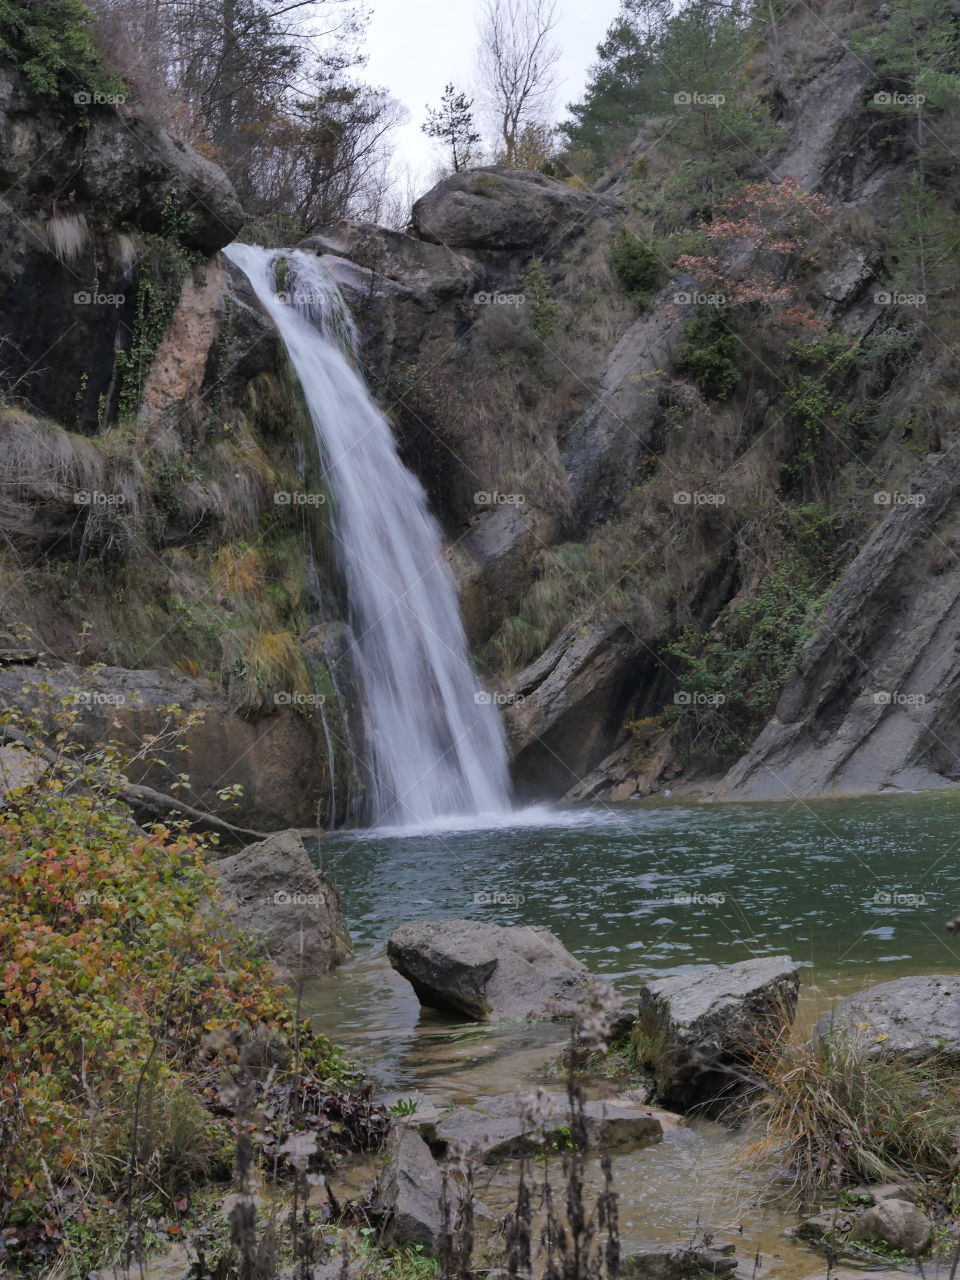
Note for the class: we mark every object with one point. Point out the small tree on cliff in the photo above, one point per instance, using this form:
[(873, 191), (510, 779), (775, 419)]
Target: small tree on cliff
[(452, 125)]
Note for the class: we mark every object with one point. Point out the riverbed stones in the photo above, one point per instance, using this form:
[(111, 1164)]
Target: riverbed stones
[(489, 972), (409, 1191), (275, 894), (913, 1019), (681, 1262), (501, 1128), (897, 1225), (699, 1031)]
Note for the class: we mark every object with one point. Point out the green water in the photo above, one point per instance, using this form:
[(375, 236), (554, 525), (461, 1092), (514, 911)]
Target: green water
[(857, 891)]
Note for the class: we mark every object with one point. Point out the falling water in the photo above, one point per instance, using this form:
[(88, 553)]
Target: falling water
[(436, 747)]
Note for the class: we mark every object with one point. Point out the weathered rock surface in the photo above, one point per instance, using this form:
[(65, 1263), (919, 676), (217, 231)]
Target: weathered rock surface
[(409, 1191), (681, 1262), (59, 252), (271, 757), (19, 768), (276, 894), (874, 703), (499, 208), (896, 1224), (909, 1018), (433, 271), (489, 972), (501, 1128), (698, 1031)]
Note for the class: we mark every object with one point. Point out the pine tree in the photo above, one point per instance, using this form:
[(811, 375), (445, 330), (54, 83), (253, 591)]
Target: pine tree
[(452, 124)]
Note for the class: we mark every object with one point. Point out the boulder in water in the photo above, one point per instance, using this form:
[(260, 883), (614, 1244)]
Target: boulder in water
[(504, 1127), (910, 1018), (409, 1191), (681, 1262), (698, 1030), (894, 1224), (278, 896), (489, 972)]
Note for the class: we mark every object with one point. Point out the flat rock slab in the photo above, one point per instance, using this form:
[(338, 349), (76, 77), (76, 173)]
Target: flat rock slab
[(489, 972), (695, 1030), (680, 1262), (909, 1018), (501, 1128)]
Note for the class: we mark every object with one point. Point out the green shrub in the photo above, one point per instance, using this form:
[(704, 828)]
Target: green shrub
[(708, 355), (635, 263), (50, 40)]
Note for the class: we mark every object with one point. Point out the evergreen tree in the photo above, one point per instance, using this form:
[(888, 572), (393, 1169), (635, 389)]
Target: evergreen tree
[(452, 125)]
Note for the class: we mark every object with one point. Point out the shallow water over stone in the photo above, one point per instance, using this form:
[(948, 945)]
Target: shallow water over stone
[(857, 891)]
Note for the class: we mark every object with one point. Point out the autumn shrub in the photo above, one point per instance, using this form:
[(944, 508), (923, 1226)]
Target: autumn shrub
[(126, 997)]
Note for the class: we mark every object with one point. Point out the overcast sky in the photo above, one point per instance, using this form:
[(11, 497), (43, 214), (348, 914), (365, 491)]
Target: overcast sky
[(416, 46)]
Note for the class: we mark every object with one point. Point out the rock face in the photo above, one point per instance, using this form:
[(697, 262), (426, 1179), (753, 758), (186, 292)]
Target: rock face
[(409, 1192), (488, 972), (125, 172), (499, 1128), (698, 1030), (874, 703), (909, 1018), (277, 896), (271, 757), (499, 208)]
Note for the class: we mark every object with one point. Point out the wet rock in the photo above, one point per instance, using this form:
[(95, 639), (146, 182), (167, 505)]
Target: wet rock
[(428, 269), (409, 1191), (826, 1230), (501, 1128), (699, 1030), (488, 972), (909, 1018), (681, 1262), (897, 1225), (278, 896), (500, 208)]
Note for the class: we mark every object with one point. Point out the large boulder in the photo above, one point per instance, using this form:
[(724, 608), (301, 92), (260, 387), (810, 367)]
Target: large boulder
[(895, 1224), (429, 269), (489, 972), (278, 896), (501, 1128), (698, 1031), (909, 1018), (499, 208)]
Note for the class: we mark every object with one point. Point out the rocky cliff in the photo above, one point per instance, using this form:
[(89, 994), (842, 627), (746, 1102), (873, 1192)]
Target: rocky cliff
[(689, 534)]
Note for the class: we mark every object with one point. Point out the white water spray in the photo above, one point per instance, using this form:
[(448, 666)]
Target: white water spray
[(436, 747)]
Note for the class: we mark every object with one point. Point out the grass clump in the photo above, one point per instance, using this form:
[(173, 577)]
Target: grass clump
[(842, 1114)]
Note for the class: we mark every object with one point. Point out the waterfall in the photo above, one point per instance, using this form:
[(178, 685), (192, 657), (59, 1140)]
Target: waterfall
[(435, 745)]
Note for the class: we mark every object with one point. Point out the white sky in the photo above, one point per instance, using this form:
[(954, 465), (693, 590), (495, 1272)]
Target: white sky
[(416, 46)]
